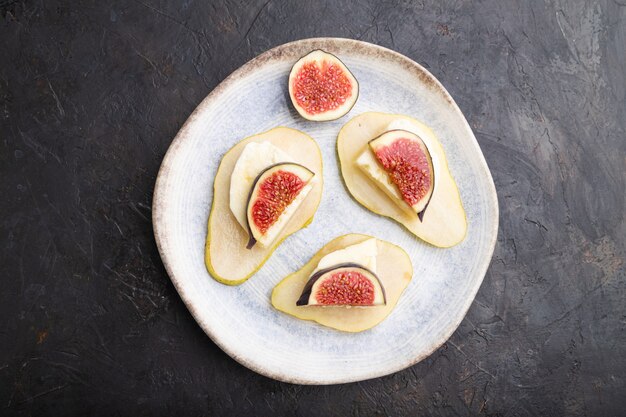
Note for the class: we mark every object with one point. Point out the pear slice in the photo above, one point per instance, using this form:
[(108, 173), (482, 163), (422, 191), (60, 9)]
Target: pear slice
[(445, 225), (394, 270), (226, 256)]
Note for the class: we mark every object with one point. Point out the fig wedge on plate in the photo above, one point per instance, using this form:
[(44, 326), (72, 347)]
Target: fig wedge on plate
[(226, 256), (321, 87), (407, 162), (276, 194), (346, 284), (393, 269), (444, 224)]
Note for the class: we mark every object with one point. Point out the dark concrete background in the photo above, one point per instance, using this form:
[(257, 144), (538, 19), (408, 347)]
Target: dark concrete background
[(91, 96)]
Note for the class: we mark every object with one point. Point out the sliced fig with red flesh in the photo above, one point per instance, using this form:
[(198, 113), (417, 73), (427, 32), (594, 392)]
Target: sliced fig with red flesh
[(321, 87), (346, 284), (275, 195), (406, 159)]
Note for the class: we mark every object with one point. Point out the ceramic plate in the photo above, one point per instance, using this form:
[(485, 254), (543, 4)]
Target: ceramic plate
[(241, 319)]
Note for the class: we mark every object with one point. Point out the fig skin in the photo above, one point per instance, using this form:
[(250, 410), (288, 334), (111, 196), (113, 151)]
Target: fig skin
[(306, 292), (327, 115)]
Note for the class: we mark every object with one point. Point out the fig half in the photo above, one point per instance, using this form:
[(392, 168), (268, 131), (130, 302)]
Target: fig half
[(408, 163), (276, 194), (393, 269), (445, 225), (321, 87), (347, 284), (226, 256)]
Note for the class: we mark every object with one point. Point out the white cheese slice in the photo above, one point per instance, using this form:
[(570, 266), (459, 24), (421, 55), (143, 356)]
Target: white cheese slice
[(363, 253), (254, 158)]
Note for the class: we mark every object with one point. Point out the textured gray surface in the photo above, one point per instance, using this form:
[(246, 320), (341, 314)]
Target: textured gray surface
[(90, 97)]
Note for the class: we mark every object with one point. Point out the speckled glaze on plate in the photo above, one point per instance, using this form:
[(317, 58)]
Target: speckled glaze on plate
[(240, 319)]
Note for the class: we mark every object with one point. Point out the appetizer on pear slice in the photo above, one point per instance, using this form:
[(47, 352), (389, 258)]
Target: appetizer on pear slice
[(352, 284), (267, 187), (395, 166)]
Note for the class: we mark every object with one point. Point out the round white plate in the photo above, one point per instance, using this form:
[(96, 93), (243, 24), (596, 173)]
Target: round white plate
[(241, 319)]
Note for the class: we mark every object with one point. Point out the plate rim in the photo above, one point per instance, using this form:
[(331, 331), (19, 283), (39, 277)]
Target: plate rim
[(243, 70)]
